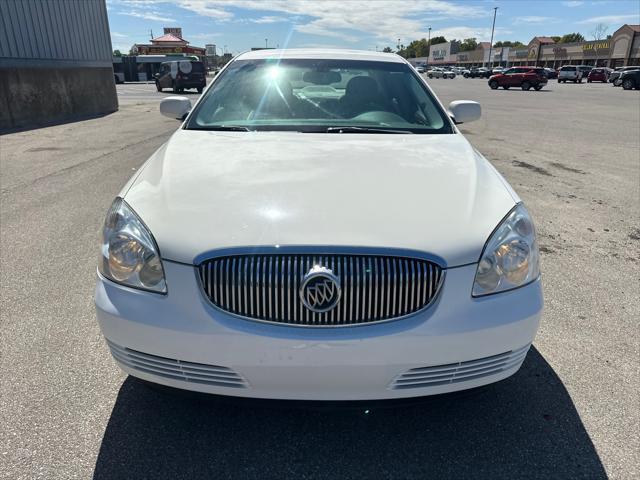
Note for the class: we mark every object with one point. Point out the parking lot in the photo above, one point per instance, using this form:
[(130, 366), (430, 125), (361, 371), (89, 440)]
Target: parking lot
[(572, 152)]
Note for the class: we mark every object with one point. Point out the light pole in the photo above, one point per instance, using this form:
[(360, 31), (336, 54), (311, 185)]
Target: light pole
[(428, 48), (224, 50), (495, 10), (266, 43), (398, 44)]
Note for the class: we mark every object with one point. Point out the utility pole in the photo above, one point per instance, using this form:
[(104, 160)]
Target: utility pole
[(495, 10), (428, 48), (398, 44)]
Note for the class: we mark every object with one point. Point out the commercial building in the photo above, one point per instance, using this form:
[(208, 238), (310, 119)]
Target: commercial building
[(169, 43), (55, 62), (623, 48)]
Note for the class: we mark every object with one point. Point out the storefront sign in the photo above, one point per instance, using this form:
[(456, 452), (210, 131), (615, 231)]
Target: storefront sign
[(595, 46)]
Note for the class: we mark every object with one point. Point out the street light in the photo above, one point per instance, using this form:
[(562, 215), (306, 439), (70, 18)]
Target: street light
[(266, 43), (495, 10), (398, 44), (428, 48)]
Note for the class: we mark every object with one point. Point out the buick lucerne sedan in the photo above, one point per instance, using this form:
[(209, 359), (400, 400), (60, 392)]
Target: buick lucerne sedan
[(318, 229)]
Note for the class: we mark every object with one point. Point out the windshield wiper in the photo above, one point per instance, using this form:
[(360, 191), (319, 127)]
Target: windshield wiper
[(224, 128), (363, 130)]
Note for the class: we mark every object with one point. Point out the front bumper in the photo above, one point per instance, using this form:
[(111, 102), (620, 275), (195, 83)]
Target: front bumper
[(182, 341)]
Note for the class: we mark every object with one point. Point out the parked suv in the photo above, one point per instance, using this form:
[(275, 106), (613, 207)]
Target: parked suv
[(181, 74), (597, 75), (523, 77), (571, 73), (615, 75), (630, 79)]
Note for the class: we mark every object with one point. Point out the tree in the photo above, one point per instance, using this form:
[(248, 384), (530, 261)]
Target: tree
[(468, 44), (556, 38), (572, 38), (437, 40), (387, 50), (509, 43), (598, 33), (117, 53)]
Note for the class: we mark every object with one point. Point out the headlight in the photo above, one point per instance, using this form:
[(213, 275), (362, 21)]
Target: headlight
[(129, 254), (510, 258)]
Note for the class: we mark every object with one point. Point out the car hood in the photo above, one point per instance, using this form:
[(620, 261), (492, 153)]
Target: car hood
[(203, 191)]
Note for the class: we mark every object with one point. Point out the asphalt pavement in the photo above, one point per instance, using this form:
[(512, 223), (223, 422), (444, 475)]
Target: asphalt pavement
[(572, 152)]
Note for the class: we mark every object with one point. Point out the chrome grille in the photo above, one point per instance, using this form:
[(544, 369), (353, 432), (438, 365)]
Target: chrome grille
[(266, 287)]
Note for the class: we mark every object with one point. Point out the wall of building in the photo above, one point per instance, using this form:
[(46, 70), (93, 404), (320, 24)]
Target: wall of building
[(55, 62)]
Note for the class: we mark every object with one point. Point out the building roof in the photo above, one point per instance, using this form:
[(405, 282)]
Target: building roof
[(322, 53), (484, 45), (169, 37), (544, 39), (635, 27)]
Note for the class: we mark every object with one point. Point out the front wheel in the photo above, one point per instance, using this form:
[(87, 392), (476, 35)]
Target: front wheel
[(493, 84), (200, 89), (627, 84), (537, 88), (526, 85), (430, 76), (158, 87)]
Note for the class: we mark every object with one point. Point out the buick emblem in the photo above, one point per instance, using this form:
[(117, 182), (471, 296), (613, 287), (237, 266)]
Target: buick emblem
[(320, 289)]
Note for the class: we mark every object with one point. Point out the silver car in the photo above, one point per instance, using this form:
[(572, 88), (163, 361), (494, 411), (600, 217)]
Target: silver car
[(439, 72)]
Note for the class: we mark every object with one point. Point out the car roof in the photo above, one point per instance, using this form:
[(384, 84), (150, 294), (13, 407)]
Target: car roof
[(322, 53)]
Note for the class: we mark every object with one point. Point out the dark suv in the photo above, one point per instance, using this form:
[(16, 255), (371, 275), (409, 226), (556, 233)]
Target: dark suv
[(181, 74), (523, 77), (630, 79)]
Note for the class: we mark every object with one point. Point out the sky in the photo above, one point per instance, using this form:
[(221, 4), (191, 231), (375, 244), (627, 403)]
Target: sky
[(363, 24)]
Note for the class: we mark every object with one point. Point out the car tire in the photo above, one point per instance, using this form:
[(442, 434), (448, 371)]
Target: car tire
[(580, 81), (430, 76), (158, 87), (526, 86), (200, 89), (493, 85), (588, 81), (627, 84), (537, 88), (174, 87)]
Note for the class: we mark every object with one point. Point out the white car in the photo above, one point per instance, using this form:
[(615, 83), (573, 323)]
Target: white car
[(438, 72), (318, 228)]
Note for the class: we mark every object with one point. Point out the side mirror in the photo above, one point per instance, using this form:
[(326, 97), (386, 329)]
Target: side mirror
[(465, 111), (156, 75), (175, 107)]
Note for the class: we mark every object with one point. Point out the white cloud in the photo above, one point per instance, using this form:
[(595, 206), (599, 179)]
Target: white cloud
[(615, 19), (533, 19), (269, 19), (385, 20), (462, 32), (118, 35), (148, 15), (573, 3)]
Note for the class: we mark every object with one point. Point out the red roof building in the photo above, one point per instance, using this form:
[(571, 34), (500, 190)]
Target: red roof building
[(169, 43)]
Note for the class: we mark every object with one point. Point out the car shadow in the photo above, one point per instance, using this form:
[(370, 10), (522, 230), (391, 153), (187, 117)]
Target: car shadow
[(523, 427)]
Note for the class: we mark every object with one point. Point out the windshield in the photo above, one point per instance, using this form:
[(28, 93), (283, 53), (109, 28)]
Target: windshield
[(311, 95)]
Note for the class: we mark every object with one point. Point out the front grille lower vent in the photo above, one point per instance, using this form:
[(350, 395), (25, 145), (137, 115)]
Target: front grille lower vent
[(370, 288), (177, 369), (459, 372)]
